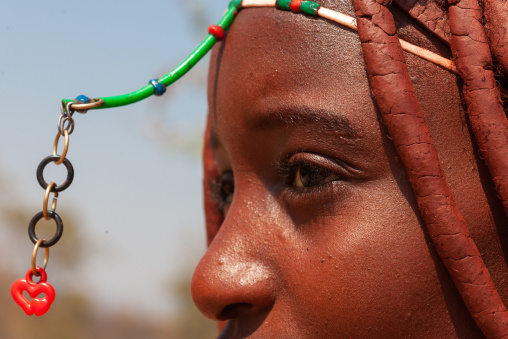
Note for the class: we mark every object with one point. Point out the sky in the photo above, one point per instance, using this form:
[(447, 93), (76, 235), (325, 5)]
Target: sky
[(137, 186)]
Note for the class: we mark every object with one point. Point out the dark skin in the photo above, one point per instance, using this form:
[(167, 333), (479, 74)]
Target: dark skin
[(322, 237)]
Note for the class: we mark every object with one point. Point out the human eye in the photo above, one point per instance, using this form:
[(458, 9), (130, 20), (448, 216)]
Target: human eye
[(305, 175), (223, 190), (310, 176)]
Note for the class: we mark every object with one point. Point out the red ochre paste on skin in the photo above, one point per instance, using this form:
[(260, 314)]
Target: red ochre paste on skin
[(402, 114), (212, 214)]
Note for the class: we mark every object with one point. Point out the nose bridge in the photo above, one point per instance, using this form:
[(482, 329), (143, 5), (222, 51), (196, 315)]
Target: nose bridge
[(235, 269), (247, 223)]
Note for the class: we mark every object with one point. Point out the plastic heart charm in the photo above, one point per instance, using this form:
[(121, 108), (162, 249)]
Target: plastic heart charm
[(37, 306)]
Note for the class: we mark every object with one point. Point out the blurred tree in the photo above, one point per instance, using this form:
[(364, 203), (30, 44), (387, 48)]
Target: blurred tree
[(72, 315)]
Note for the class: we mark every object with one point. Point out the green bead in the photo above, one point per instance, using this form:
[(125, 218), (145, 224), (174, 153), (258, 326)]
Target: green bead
[(309, 7), (283, 4), (236, 4)]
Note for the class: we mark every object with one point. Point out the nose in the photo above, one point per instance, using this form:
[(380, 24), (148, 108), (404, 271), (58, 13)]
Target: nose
[(232, 279)]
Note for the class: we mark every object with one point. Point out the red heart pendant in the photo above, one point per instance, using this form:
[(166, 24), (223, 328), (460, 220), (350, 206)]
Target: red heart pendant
[(39, 306)]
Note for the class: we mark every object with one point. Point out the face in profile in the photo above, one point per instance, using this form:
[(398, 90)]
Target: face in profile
[(319, 234)]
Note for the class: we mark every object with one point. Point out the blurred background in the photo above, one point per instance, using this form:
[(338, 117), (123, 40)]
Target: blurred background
[(134, 225)]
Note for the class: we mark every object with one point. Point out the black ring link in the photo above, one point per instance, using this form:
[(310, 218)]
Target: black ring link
[(55, 158), (59, 228)]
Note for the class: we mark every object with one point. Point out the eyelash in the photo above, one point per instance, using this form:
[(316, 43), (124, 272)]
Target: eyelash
[(287, 170), (296, 195)]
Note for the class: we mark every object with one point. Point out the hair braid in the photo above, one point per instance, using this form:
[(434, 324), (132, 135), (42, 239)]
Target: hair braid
[(488, 121), (429, 14), (496, 24), (401, 112)]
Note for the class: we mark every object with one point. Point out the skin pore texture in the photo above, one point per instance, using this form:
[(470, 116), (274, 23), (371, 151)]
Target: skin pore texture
[(315, 230)]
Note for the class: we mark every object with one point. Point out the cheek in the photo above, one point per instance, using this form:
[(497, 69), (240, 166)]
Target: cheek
[(362, 267)]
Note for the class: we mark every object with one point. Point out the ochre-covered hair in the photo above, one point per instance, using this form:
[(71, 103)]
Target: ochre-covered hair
[(477, 32), (401, 112)]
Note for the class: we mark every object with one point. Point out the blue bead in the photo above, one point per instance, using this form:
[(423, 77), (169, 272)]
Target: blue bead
[(159, 89), (83, 99)]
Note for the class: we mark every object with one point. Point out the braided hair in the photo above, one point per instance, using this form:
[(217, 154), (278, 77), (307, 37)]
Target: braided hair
[(401, 112)]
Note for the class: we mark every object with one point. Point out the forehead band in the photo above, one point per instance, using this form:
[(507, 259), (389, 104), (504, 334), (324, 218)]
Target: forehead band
[(217, 33)]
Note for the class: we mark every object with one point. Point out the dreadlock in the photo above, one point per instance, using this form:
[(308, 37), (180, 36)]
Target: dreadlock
[(403, 116)]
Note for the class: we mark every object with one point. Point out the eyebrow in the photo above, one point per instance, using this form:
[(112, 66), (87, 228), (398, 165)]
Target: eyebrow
[(329, 121)]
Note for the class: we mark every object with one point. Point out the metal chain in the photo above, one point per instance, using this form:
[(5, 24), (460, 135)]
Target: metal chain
[(65, 128)]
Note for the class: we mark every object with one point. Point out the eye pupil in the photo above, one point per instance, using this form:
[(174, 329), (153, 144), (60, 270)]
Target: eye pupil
[(309, 176), (306, 175)]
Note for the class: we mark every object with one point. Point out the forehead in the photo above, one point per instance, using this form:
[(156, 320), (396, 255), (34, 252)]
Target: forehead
[(273, 59)]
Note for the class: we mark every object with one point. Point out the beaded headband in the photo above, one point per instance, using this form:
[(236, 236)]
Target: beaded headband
[(217, 33)]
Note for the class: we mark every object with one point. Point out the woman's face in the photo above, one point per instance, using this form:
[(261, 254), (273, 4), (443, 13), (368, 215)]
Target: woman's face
[(321, 237)]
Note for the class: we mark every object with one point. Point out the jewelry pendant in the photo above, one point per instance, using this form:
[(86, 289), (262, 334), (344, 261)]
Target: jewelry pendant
[(37, 306)]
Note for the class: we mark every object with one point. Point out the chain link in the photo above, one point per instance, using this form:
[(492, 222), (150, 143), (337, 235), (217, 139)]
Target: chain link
[(45, 210), (65, 128), (34, 257), (65, 122), (66, 145)]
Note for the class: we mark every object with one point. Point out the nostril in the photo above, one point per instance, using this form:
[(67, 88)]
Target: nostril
[(233, 310), (226, 285)]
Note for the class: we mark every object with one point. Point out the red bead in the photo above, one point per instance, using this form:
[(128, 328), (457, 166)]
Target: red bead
[(295, 6), (217, 31)]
